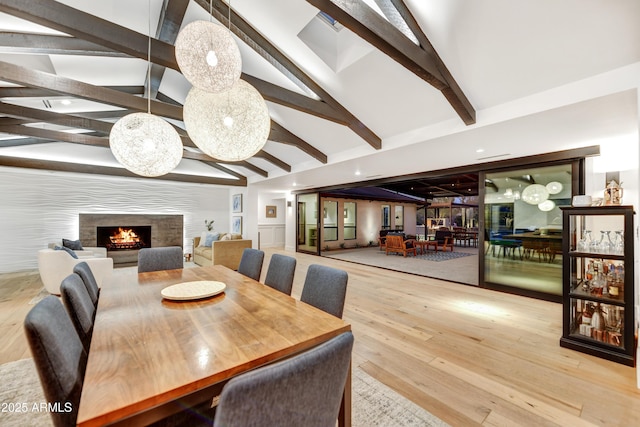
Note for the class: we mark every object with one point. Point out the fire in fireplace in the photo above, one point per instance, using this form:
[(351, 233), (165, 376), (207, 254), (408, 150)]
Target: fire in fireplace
[(124, 238)]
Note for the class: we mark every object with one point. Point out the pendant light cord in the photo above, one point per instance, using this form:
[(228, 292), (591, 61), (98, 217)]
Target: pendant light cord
[(149, 65)]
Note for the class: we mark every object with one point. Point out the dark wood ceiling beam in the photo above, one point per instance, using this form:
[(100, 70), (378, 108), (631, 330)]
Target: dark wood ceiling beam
[(34, 92), (34, 114), (168, 27), (273, 160), (291, 99), (225, 170), (366, 23), (75, 138), (112, 171), (245, 164), (453, 92), (28, 77), (5, 143), (280, 134), (51, 45), (63, 18), (243, 30)]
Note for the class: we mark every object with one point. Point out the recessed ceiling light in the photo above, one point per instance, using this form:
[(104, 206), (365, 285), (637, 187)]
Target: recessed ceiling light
[(480, 150), (65, 102), (357, 173)]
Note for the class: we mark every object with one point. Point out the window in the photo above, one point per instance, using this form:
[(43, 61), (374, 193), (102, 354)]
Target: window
[(330, 221), (350, 221)]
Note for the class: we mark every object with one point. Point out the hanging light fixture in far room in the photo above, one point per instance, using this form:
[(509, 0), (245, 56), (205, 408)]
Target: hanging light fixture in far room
[(547, 205), (554, 187), (143, 143), (208, 56), (535, 194), (229, 126)]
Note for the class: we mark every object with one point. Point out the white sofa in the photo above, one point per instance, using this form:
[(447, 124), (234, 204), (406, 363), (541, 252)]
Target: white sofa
[(88, 252), (55, 265)]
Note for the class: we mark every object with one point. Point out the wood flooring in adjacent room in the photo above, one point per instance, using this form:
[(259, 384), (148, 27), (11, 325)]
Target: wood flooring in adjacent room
[(470, 356)]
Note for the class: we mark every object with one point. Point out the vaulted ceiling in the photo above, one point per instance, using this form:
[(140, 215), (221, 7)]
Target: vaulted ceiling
[(364, 78)]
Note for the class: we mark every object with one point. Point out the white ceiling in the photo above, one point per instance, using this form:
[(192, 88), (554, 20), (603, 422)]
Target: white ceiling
[(542, 75)]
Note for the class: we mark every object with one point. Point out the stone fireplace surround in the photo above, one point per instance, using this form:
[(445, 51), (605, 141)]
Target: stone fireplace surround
[(166, 230)]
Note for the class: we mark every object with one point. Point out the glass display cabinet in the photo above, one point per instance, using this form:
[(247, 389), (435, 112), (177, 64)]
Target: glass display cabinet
[(598, 288)]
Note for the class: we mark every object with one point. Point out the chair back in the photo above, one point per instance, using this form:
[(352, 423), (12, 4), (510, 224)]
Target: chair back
[(79, 306), (394, 241), (164, 258), (59, 357), (251, 263), (280, 273), (83, 270), (304, 390), (325, 288), (441, 235)]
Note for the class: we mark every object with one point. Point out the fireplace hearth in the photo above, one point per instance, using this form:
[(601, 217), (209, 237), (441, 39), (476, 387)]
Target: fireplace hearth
[(123, 238)]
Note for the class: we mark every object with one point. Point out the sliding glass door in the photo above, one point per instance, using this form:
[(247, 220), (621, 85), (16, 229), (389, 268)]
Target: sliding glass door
[(523, 229)]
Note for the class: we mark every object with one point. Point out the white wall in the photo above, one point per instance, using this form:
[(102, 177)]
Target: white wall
[(39, 207), (272, 231)]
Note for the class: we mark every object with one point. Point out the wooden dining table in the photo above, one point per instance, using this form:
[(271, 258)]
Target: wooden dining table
[(151, 357)]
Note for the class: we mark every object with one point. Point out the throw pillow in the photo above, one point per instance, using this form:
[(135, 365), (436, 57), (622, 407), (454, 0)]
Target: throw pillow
[(212, 237), (203, 238), (226, 236), (74, 245), (67, 250)]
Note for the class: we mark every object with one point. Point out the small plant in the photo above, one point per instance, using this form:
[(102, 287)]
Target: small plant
[(357, 245), (370, 243), (209, 224), (342, 245), (326, 248)]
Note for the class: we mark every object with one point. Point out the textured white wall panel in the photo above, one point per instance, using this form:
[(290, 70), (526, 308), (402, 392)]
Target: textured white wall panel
[(39, 207), (272, 235)]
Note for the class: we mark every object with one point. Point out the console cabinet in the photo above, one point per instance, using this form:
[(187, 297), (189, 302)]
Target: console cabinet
[(598, 282)]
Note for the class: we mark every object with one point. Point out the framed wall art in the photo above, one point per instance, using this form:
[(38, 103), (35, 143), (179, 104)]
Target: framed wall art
[(272, 211), (237, 203), (236, 225)]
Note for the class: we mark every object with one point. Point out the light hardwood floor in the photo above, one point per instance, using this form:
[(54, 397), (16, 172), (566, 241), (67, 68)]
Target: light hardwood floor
[(470, 356)]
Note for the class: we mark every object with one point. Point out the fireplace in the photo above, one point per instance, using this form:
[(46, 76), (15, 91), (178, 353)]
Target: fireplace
[(167, 231), (123, 238)]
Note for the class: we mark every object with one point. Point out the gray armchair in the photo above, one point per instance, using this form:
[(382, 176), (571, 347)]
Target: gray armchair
[(59, 357), (305, 390), (280, 273), (164, 258), (251, 263), (79, 306), (325, 288)]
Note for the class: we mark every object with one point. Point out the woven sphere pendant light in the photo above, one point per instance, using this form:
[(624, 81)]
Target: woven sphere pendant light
[(230, 126), (145, 144), (535, 194), (208, 56)]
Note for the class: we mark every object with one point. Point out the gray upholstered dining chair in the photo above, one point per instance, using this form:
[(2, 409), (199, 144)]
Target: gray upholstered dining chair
[(79, 306), (59, 357), (251, 263), (164, 258), (325, 288), (280, 274), (304, 390), (83, 270)]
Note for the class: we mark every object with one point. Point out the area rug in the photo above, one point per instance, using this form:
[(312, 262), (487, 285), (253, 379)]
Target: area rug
[(374, 404), (442, 256)]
